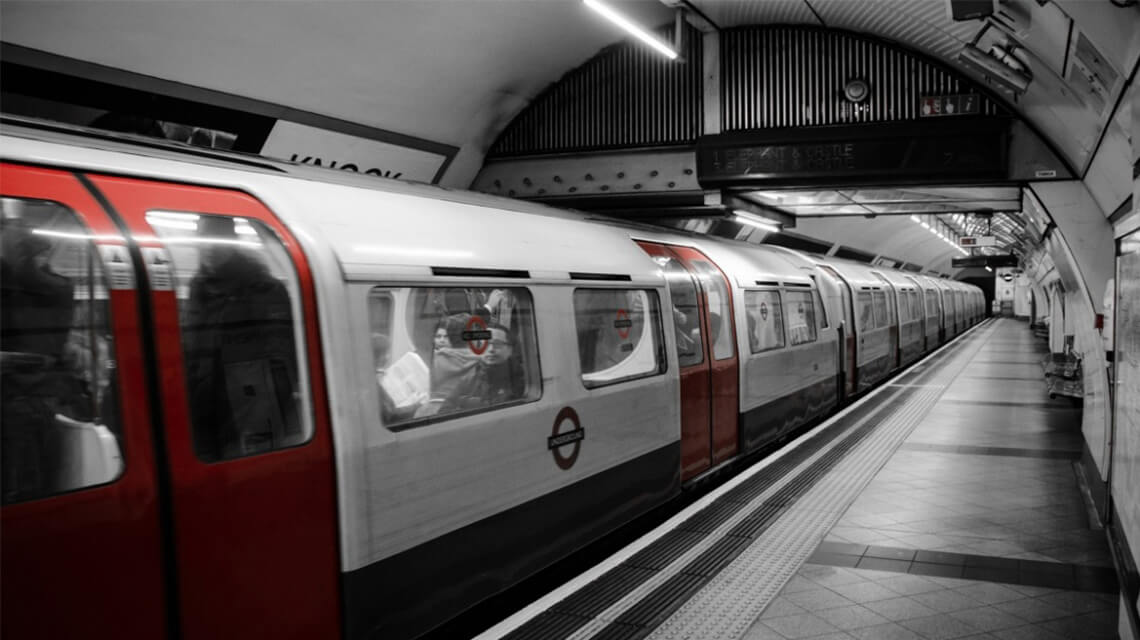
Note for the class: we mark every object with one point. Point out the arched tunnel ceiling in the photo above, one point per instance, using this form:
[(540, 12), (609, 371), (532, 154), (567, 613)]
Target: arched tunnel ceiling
[(456, 72)]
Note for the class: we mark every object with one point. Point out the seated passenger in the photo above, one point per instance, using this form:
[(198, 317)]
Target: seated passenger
[(504, 381), (36, 306), (462, 379)]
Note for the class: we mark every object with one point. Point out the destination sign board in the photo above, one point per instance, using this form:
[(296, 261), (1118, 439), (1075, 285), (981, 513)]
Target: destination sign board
[(993, 262), (977, 241), (934, 151)]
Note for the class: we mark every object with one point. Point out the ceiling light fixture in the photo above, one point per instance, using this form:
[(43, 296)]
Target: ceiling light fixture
[(754, 221), (641, 34)]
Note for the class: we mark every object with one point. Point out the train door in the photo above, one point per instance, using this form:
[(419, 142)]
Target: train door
[(894, 321), (82, 552), (702, 307), (245, 421), (847, 334), (923, 317), (725, 366)]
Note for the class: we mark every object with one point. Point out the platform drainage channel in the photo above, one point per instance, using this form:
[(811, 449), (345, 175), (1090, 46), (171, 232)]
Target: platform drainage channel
[(570, 616)]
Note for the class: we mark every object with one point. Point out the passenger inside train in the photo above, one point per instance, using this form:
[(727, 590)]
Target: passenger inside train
[(238, 335), (454, 350), (59, 426)]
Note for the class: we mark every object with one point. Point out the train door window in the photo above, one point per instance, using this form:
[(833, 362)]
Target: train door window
[(880, 306), (800, 314), (765, 320), (915, 305), (240, 316), (720, 314), (820, 310), (619, 335), (866, 311), (931, 304), (59, 427), (686, 311), (442, 352)]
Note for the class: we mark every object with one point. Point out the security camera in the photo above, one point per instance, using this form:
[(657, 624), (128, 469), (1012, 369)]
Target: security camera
[(1005, 76)]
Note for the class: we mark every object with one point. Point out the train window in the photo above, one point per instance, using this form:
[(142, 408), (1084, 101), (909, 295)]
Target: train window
[(800, 317), (240, 315), (866, 313), (720, 309), (821, 311), (765, 317), (880, 307), (441, 352), (686, 311), (59, 426), (931, 304), (915, 305), (619, 335)]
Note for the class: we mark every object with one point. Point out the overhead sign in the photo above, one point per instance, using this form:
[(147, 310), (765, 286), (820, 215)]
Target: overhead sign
[(323, 148), (977, 241), (993, 262), (936, 106), (936, 151)]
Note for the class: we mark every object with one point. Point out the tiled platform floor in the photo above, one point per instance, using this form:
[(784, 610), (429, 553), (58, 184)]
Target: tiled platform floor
[(975, 528)]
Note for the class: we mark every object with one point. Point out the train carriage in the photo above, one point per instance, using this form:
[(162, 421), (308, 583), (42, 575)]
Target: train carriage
[(836, 298), (903, 300), (875, 328), (250, 398), (949, 309), (294, 322), (790, 361), (929, 306)]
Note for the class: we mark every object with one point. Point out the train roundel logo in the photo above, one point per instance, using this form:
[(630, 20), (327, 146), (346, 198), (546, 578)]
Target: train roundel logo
[(763, 311), (477, 335), (622, 323), (559, 439)]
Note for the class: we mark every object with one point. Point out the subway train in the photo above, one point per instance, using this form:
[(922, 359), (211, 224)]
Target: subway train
[(250, 399)]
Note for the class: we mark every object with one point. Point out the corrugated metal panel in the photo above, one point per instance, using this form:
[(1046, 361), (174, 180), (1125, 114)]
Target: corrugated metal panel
[(626, 96), (788, 76)]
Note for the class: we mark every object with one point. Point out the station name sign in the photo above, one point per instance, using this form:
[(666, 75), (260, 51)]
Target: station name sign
[(396, 158), (934, 151)]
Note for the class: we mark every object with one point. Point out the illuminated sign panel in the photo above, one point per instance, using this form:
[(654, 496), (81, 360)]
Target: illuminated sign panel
[(960, 105), (984, 261), (934, 151), (977, 241)]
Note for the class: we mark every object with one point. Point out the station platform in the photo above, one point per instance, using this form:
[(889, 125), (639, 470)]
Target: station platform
[(946, 504)]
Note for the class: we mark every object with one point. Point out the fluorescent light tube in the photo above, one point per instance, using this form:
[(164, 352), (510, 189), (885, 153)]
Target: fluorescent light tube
[(623, 22)]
